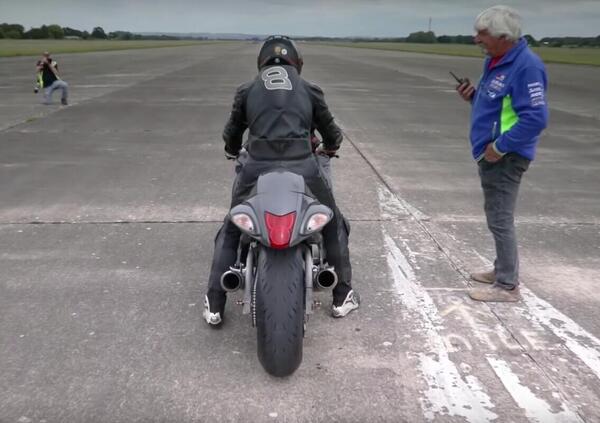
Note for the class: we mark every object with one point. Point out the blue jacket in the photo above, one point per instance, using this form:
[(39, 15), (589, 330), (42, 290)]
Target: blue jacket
[(509, 106)]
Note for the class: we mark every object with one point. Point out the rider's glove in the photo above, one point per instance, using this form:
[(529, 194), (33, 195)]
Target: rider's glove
[(231, 156), (329, 153)]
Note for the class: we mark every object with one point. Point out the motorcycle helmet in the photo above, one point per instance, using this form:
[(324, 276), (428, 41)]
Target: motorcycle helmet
[(280, 50)]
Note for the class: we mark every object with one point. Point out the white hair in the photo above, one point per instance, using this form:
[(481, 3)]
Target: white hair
[(500, 21)]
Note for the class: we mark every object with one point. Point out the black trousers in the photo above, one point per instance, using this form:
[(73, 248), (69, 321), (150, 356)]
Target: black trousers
[(335, 233)]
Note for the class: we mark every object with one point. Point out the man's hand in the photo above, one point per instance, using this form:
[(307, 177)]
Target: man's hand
[(490, 154), (314, 141), (466, 90)]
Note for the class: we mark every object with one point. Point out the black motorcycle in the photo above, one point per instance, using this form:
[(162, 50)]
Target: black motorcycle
[(280, 259)]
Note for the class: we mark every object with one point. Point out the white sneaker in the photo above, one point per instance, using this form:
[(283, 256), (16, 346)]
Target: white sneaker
[(213, 319), (351, 302)]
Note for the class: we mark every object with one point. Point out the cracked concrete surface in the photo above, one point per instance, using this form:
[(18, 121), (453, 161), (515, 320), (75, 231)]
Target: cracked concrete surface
[(109, 207)]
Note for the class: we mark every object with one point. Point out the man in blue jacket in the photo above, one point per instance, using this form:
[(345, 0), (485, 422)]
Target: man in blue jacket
[(509, 112)]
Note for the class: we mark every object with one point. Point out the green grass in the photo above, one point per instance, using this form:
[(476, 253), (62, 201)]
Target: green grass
[(576, 56), (9, 48)]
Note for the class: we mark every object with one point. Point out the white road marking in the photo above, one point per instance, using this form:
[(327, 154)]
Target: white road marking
[(536, 409), (390, 205), (102, 86), (581, 343), (449, 392)]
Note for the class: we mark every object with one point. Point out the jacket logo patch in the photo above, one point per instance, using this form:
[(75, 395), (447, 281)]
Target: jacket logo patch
[(536, 94), (496, 86)]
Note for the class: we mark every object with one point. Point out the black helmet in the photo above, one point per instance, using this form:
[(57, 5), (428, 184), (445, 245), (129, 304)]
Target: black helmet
[(279, 49)]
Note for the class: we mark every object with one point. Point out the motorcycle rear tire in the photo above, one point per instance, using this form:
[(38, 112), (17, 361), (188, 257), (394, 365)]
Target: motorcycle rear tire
[(280, 310)]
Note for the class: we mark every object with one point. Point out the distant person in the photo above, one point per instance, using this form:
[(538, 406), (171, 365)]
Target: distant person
[(50, 80), (509, 112)]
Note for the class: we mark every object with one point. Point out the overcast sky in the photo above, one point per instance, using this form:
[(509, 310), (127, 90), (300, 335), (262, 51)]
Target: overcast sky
[(301, 17)]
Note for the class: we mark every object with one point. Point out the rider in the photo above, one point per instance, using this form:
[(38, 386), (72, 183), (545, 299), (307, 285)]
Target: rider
[(280, 110)]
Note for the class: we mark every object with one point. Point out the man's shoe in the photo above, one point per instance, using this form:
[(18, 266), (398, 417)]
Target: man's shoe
[(64, 102), (495, 293), (213, 318), (484, 277), (351, 302)]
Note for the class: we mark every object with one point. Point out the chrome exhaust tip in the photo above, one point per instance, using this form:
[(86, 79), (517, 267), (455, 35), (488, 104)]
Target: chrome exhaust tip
[(232, 280), (326, 279)]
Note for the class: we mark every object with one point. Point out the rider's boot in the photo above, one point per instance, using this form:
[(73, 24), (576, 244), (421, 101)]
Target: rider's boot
[(345, 299), (214, 308)]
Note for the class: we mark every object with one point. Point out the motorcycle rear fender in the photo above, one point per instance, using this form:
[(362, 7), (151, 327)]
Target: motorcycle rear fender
[(280, 204)]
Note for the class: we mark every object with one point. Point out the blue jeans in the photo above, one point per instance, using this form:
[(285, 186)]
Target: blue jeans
[(56, 85), (500, 182)]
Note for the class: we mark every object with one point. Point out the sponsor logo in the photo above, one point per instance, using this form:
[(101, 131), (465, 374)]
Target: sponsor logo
[(538, 102), (535, 84), (536, 94), (496, 85)]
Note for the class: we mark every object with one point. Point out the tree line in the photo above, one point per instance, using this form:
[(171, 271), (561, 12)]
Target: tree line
[(429, 37), (16, 31)]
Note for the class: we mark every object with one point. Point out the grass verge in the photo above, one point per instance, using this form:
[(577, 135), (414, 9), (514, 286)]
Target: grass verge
[(11, 48), (574, 56)]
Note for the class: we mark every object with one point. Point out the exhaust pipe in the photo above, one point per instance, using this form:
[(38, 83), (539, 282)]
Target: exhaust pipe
[(326, 279), (232, 280)]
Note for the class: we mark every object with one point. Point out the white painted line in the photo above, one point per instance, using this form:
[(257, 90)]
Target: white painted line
[(121, 75), (582, 343), (102, 86), (536, 409), (390, 205), (449, 392)]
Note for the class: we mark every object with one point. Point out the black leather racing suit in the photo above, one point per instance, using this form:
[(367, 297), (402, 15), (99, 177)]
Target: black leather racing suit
[(279, 109)]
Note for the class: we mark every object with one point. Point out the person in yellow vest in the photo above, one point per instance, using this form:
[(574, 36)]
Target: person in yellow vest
[(50, 81)]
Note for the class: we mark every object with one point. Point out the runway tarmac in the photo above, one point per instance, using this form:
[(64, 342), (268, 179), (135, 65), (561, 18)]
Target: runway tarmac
[(109, 208)]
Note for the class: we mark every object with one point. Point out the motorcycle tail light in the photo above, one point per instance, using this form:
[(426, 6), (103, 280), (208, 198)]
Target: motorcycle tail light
[(316, 222), (243, 221), (280, 229)]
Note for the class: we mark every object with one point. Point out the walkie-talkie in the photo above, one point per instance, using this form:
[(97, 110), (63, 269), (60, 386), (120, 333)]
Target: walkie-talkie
[(459, 80)]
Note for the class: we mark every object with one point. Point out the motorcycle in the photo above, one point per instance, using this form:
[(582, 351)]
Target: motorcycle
[(280, 261)]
